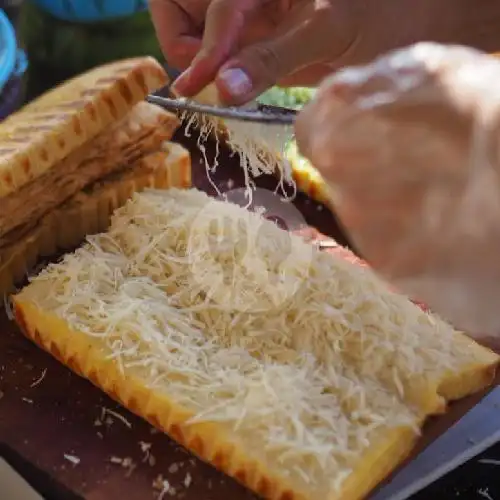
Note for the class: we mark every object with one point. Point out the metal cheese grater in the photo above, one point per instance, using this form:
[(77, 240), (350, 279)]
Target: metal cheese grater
[(254, 112), (263, 114)]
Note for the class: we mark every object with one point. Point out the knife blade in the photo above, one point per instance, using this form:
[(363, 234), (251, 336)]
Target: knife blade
[(263, 114)]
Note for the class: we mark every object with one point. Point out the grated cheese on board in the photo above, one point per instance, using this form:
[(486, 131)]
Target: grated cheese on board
[(308, 360)]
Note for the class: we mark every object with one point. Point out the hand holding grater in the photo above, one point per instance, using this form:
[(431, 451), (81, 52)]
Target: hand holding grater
[(253, 113)]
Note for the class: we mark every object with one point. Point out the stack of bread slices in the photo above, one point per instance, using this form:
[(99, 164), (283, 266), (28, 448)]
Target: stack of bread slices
[(72, 156)]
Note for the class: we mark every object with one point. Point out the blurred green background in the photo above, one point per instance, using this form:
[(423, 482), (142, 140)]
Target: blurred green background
[(59, 49)]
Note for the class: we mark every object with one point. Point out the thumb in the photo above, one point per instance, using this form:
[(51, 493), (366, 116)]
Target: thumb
[(298, 43)]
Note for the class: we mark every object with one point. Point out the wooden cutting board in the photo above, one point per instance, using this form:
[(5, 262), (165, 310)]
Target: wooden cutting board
[(88, 446)]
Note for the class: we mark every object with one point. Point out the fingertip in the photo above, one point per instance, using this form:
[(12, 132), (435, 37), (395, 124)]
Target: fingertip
[(194, 78), (201, 73), (182, 85)]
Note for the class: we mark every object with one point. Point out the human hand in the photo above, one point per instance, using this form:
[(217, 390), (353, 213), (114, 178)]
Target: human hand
[(299, 42), (410, 145), (249, 44)]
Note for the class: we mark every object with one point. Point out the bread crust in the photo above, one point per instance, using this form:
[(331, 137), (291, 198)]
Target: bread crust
[(140, 132), (89, 211), (42, 133), (209, 441)]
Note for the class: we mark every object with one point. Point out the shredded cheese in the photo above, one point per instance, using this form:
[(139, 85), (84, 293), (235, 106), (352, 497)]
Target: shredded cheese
[(485, 493), (163, 486), (308, 359), (173, 468), (71, 458), (148, 456), (489, 461), (260, 148), (39, 380), (121, 418)]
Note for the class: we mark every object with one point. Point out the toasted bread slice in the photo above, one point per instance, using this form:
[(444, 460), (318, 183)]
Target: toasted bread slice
[(45, 131), (211, 441), (140, 132), (89, 211), (318, 399), (307, 178)]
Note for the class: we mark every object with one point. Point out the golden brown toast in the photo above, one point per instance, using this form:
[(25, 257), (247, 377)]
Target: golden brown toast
[(316, 397), (45, 131), (141, 131), (89, 211), (307, 178), (66, 140)]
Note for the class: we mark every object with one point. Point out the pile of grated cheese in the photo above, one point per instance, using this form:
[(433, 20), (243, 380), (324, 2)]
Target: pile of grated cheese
[(306, 359)]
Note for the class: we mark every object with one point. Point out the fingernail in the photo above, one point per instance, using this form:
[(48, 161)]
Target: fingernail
[(237, 83)]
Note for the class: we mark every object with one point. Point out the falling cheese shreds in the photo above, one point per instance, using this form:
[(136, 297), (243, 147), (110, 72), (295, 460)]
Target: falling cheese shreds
[(308, 360), (260, 148)]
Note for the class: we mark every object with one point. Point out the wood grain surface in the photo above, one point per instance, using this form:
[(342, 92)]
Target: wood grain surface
[(50, 419)]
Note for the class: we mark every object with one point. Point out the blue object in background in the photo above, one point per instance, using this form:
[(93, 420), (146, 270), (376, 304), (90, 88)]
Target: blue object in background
[(13, 65), (88, 11), (8, 49)]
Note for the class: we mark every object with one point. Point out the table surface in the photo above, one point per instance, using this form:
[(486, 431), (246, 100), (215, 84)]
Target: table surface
[(51, 418)]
